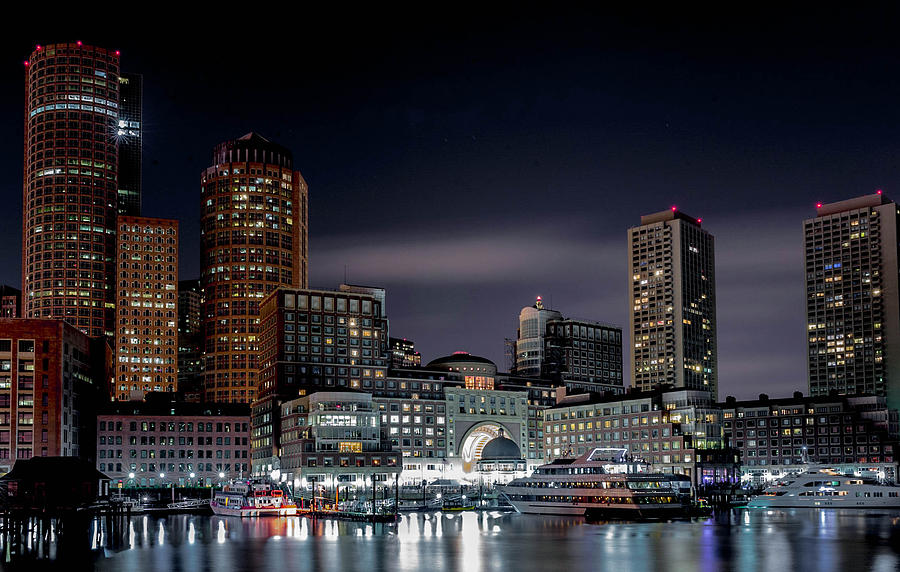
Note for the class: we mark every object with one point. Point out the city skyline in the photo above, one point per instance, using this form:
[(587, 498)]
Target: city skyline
[(588, 153)]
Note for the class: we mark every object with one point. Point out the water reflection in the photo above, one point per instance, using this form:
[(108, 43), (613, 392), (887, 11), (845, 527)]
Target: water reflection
[(743, 540)]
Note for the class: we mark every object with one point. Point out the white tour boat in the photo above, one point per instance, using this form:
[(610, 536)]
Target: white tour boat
[(601, 483), (252, 498), (822, 487)]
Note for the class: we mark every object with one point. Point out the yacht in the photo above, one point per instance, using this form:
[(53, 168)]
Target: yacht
[(823, 487), (601, 483), (252, 498)]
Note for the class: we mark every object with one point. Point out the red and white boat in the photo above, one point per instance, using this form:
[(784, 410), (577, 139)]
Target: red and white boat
[(252, 498)]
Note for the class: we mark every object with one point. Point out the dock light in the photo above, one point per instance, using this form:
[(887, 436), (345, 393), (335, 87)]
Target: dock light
[(438, 496), (193, 475), (221, 475), (130, 475), (162, 475)]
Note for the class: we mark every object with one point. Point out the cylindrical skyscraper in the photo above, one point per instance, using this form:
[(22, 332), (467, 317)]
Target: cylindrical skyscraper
[(254, 232), (69, 194)]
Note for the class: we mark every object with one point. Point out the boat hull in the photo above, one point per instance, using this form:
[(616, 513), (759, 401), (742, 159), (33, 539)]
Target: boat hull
[(254, 512), (814, 502), (601, 511)]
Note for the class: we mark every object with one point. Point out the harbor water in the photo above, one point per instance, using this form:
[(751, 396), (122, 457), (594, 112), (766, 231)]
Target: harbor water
[(769, 540)]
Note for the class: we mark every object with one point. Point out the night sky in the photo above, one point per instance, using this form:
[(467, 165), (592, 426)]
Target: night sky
[(470, 162)]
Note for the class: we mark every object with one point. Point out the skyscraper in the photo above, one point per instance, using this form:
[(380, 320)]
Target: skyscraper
[(147, 307), (69, 191), (852, 307), (253, 239), (672, 302), (190, 337), (129, 134)]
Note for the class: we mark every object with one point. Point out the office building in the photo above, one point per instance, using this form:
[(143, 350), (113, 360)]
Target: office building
[(69, 194), (52, 376), (253, 240), (146, 307), (530, 341), (129, 137), (190, 338), (404, 354), (672, 303), (163, 442), (853, 298), (568, 351), (10, 302)]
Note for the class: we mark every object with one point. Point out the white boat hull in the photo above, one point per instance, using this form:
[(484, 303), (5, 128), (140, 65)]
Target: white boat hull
[(823, 502)]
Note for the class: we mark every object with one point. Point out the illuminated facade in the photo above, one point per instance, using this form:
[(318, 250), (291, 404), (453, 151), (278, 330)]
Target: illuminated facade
[(129, 134), (253, 240), (404, 354), (147, 307), (10, 302), (672, 303), (853, 298), (69, 195), (530, 343)]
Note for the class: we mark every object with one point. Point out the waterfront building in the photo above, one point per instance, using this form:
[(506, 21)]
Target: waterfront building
[(333, 439), (161, 442), (853, 298), (190, 338), (69, 191), (677, 431), (10, 302), (404, 354), (253, 240), (672, 303), (312, 340), (52, 376), (501, 461), (129, 139), (146, 307), (781, 435)]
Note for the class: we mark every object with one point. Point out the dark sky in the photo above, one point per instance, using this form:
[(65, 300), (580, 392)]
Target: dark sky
[(468, 162)]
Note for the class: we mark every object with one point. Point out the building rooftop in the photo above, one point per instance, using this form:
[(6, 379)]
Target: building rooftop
[(874, 200), (671, 214)]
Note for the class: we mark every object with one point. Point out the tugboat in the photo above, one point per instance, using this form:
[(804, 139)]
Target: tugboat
[(252, 498)]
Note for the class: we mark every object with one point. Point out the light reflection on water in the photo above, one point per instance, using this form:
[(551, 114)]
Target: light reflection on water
[(745, 540)]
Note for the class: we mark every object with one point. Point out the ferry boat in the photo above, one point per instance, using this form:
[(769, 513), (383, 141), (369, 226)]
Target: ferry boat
[(252, 498), (601, 483), (823, 487)]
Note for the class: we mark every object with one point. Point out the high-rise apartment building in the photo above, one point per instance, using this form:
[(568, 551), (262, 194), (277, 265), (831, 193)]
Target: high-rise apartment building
[(404, 354), (253, 239), (69, 194), (10, 302), (672, 302), (852, 306), (146, 307), (129, 136)]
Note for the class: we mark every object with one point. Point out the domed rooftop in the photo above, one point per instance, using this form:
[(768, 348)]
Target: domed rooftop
[(460, 358), (500, 448)]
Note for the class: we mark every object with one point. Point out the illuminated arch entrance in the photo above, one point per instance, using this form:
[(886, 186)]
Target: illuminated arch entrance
[(475, 440)]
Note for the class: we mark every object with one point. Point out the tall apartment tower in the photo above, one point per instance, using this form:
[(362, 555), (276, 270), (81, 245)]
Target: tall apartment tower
[(129, 135), (672, 302), (69, 191), (852, 307), (190, 335), (146, 307), (253, 239)]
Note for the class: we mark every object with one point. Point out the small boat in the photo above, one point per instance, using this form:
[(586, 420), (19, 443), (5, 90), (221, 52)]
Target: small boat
[(823, 487), (252, 497), (600, 484), (456, 505)]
